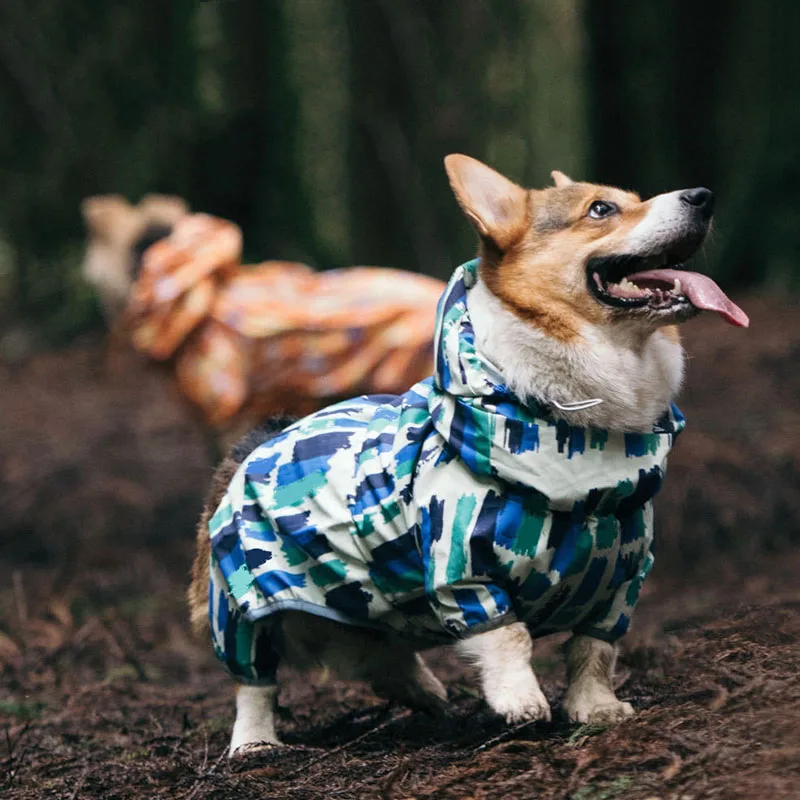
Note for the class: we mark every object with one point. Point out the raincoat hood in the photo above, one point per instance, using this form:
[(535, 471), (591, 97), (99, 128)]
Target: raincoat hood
[(498, 435)]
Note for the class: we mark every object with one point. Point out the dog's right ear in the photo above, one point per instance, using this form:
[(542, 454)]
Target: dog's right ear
[(162, 208), (496, 207), (560, 179)]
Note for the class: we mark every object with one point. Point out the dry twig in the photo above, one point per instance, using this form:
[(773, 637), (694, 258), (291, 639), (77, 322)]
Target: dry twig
[(328, 754), (506, 734), (205, 774)]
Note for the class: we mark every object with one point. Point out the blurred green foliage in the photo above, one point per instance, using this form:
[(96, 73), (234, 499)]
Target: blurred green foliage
[(320, 125)]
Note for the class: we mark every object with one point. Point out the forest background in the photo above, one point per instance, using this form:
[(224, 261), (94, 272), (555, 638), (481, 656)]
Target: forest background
[(319, 126)]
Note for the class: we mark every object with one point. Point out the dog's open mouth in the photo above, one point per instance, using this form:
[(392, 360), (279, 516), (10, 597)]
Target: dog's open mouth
[(655, 284)]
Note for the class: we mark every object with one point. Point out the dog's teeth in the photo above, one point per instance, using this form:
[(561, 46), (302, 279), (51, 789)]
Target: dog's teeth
[(677, 287), (628, 286)]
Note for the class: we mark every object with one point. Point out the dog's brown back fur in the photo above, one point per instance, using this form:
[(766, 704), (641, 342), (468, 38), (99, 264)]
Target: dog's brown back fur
[(198, 590)]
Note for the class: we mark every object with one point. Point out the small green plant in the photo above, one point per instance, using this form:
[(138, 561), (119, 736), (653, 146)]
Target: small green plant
[(136, 755), (586, 731), (607, 791)]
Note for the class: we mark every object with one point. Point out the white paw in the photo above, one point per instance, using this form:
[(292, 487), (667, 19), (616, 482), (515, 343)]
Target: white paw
[(249, 736), (250, 748), (516, 707), (254, 727), (606, 712)]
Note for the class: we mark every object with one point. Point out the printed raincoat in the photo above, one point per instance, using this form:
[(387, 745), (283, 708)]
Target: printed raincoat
[(439, 513)]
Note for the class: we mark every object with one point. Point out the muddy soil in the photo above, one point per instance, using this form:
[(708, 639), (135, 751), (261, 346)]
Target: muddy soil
[(104, 694)]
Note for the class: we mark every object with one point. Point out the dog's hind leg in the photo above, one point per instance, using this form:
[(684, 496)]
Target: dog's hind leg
[(255, 654), (254, 727), (590, 694), (392, 668), (503, 659), (403, 677)]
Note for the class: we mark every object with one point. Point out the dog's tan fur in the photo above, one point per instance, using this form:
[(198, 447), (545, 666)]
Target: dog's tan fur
[(536, 241), (114, 225), (536, 319), (198, 589)]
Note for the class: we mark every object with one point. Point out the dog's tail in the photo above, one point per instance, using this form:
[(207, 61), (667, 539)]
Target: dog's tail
[(197, 594)]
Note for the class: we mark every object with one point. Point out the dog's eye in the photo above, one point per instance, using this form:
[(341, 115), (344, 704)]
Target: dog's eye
[(600, 209)]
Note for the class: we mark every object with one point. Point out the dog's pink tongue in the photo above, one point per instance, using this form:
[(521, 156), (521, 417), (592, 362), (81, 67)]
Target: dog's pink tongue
[(702, 292)]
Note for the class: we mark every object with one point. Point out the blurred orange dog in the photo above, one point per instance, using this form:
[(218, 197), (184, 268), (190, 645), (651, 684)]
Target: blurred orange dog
[(248, 342)]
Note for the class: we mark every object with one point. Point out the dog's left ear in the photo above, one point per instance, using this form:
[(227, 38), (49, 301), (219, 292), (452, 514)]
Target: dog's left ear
[(108, 216), (560, 179), (496, 207)]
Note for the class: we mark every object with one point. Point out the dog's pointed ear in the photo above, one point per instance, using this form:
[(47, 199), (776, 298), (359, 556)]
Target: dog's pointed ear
[(560, 179), (496, 207), (104, 214), (163, 208)]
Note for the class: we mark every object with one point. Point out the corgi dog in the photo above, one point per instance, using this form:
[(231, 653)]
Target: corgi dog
[(505, 498), (245, 342)]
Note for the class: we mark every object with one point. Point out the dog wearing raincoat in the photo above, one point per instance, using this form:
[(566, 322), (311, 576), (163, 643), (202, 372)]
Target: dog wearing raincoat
[(506, 497), (248, 341)]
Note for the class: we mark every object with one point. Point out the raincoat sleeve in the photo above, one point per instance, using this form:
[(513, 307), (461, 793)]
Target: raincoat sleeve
[(468, 607), (463, 590), (242, 640), (243, 646)]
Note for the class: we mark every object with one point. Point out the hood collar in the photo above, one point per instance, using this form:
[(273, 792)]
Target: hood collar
[(467, 386)]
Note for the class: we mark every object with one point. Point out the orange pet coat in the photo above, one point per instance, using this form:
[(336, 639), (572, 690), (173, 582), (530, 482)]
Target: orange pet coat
[(278, 336)]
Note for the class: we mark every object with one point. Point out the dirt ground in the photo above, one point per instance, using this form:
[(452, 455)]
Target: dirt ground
[(103, 693)]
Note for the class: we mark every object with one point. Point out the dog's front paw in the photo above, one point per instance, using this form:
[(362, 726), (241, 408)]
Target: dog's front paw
[(250, 736), (516, 708), (602, 710)]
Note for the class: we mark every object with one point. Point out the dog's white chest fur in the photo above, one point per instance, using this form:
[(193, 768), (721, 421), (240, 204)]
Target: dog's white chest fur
[(635, 375)]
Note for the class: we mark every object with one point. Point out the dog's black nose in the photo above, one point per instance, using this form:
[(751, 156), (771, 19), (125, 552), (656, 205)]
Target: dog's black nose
[(700, 199)]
